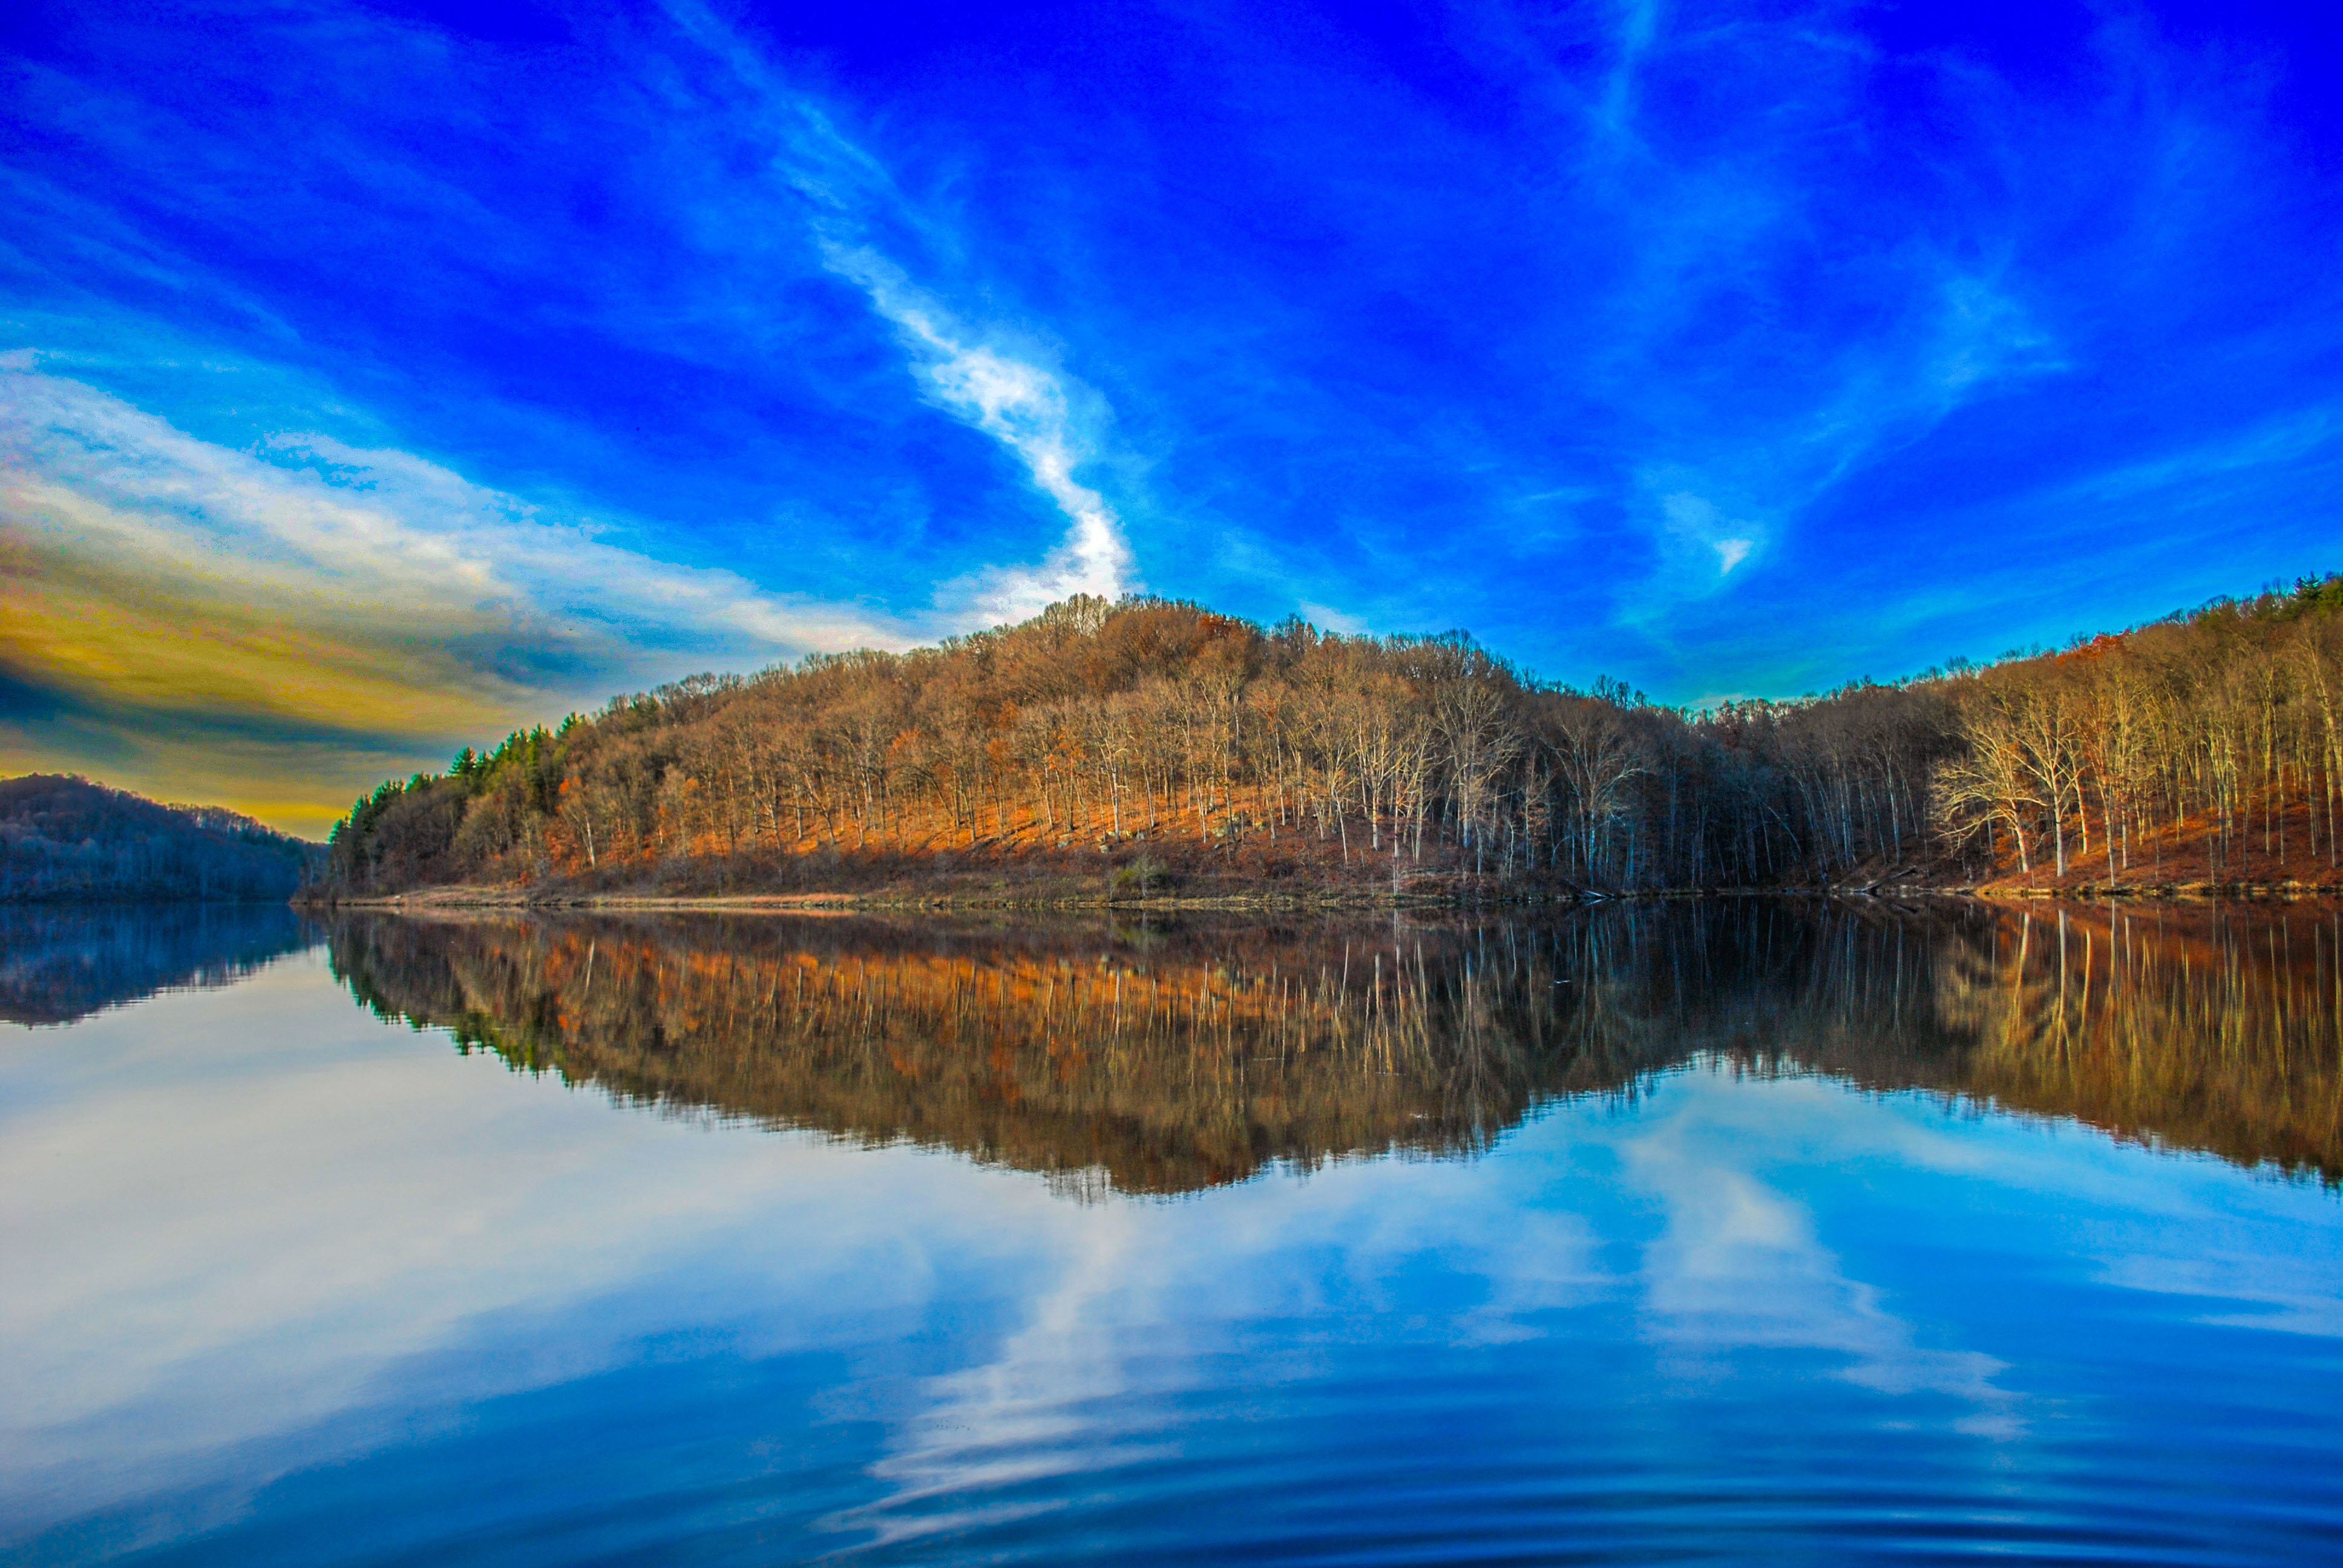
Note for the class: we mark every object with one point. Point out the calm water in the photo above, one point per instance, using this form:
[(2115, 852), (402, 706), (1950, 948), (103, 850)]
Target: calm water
[(1747, 1232)]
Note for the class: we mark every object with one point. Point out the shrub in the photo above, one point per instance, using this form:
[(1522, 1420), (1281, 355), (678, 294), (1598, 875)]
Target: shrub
[(1140, 875)]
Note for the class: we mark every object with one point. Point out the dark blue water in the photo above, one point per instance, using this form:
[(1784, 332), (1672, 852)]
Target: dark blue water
[(1739, 1234)]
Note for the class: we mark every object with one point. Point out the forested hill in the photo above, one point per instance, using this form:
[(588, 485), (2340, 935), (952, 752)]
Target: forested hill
[(1148, 743), (66, 837)]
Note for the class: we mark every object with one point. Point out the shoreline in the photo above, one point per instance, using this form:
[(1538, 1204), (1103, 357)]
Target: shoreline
[(431, 900), (426, 901)]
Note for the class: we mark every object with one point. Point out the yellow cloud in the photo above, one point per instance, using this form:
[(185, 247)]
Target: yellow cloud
[(278, 628), (273, 695), (297, 786), (135, 645)]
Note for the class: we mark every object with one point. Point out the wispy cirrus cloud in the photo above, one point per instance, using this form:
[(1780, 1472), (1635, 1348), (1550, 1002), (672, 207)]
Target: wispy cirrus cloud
[(1031, 411), (975, 371), (206, 620)]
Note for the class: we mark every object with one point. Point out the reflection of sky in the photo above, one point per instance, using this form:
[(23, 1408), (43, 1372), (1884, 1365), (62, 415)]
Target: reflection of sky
[(282, 1271)]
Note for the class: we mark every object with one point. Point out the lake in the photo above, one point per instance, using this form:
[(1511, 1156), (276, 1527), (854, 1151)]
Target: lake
[(1737, 1231)]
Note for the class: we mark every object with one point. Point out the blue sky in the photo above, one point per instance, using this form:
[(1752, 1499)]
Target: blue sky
[(373, 379)]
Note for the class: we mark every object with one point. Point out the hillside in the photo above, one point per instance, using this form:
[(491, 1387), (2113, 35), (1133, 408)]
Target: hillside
[(1148, 744), (66, 837)]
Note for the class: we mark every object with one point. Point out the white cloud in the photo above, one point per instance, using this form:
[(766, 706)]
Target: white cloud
[(378, 536), (1045, 417), (388, 537), (1700, 542), (1983, 335), (2296, 437), (1638, 26), (1026, 408), (1328, 618)]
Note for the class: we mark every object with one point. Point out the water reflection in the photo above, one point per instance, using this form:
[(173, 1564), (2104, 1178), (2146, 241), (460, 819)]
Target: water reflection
[(1169, 1059), (1155, 1060), (2212, 1027), (289, 1283), (61, 963)]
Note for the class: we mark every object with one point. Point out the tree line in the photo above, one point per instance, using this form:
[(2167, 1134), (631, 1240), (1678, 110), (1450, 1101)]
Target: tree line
[(2202, 748)]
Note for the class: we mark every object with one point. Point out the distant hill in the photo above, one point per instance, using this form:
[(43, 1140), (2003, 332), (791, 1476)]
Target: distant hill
[(63, 838)]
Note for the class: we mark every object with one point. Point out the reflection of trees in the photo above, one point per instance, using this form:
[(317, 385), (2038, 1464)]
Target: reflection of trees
[(2203, 1027), (1166, 1060), (59, 963)]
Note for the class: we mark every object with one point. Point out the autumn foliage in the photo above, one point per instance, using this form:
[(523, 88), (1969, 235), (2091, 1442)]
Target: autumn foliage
[(1148, 745)]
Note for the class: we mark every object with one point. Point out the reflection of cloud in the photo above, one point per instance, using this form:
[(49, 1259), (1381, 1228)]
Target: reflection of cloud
[(1141, 1298), (251, 1230), (2295, 1295), (1028, 1414), (1739, 1266), (231, 1213)]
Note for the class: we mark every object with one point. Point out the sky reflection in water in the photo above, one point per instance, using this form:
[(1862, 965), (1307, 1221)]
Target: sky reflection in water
[(291, 1283)]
